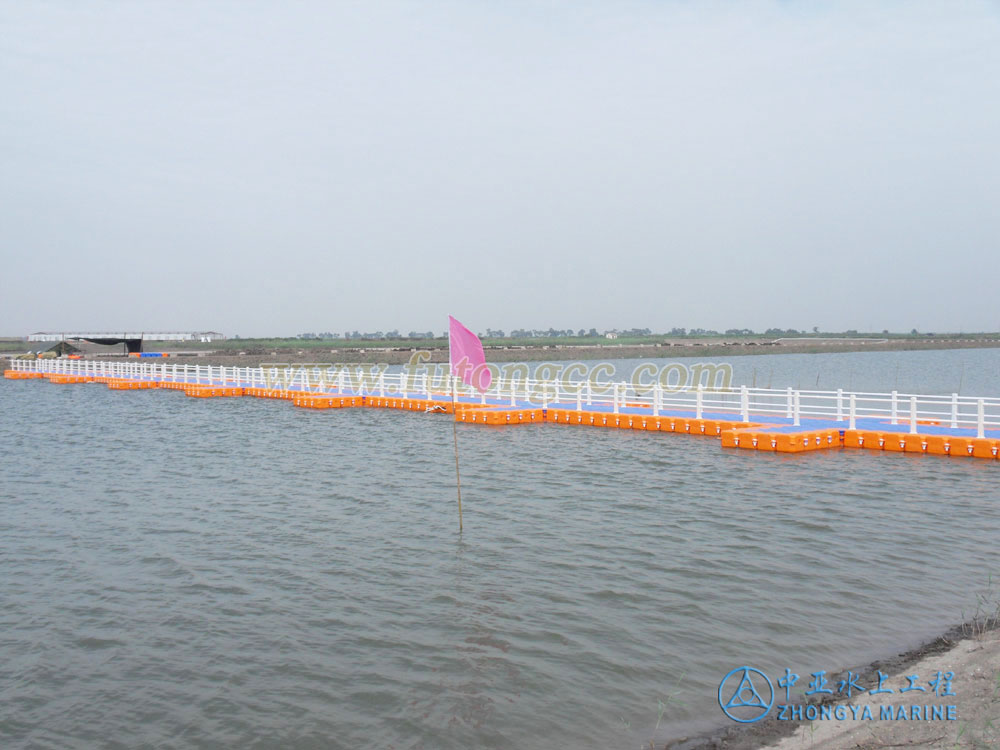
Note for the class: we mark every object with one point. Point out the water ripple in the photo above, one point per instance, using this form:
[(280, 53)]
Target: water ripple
[(178, 573)]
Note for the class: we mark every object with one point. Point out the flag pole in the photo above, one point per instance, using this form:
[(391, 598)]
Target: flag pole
[(454, 433), (465, 349)]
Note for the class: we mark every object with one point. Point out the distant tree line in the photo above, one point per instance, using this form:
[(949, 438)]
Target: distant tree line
[(375, 335), (538, 333)]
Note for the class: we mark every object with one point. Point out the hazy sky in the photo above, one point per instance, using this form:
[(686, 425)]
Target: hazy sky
[(269, 168)]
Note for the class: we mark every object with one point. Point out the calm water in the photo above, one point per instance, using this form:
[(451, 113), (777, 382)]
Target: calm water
[(179, 572)]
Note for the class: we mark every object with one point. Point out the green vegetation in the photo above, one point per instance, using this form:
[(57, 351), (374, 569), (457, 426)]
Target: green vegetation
[(369, 341), (297, 343), (986, 616), (535, 339)]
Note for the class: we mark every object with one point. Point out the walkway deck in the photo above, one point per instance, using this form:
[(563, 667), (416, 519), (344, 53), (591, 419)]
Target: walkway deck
[(743, 427)]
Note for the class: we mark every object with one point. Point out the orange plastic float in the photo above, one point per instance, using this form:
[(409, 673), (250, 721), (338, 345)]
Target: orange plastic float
[(313, 401), (778, 438), (121, 384), (21, 375), (69, 379), (212, 391)]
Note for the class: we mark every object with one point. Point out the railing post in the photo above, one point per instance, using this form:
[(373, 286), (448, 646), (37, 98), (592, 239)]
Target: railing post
[(853, 424), (590, 393), (981, 419), (615, 396), (895, 407), (954, 411), (788, 407), (579, 397), (744, 403), (656, 398), (913, 415), (699, 400), (798, 409), (840, 404)]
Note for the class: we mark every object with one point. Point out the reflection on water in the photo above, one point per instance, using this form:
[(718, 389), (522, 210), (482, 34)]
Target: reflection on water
[(200, 573)]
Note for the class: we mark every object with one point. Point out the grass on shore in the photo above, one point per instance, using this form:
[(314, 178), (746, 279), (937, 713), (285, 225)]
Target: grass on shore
[(243, 344), (986, 616)]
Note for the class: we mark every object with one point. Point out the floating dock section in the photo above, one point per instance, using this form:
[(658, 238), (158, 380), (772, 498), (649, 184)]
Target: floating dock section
[(781, 421)]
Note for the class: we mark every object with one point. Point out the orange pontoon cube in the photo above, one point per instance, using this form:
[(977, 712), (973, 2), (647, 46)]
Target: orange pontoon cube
[(985, 447)]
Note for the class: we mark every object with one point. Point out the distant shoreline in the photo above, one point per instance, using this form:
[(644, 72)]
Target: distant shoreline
[(254, 357)]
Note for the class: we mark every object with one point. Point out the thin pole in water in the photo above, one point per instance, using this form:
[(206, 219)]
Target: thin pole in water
[(454, 434)]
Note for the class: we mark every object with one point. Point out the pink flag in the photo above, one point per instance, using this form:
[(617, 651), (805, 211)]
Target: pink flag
[(466, 354)]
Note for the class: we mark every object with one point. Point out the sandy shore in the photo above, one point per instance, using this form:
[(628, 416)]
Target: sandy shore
[(975, 662), (976, 665)]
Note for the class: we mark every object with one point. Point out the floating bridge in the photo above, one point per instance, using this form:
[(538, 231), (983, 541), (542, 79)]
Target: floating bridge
[(762, 419)]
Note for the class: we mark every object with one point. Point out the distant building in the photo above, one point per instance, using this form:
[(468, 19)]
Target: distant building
[(610, 335), (129, 335)]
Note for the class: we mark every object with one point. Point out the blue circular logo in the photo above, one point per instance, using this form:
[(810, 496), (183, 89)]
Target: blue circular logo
[(745, 696)]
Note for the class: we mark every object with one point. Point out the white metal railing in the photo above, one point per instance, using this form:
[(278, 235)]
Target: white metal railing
[(750, 404)]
